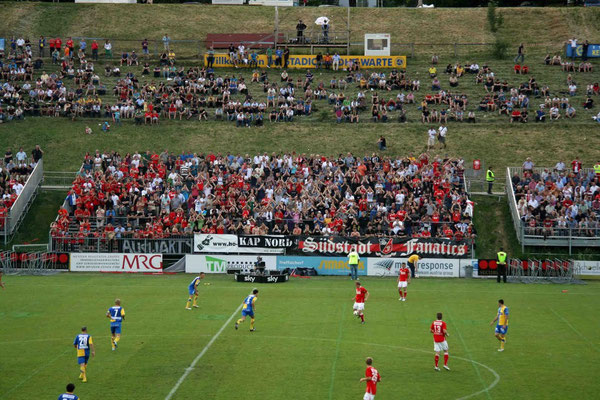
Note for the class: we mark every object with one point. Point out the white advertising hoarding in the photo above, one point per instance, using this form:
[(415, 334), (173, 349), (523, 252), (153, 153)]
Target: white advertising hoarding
[(218, 243), (587, 268), (428, 267), (218, 264), (118, 262)]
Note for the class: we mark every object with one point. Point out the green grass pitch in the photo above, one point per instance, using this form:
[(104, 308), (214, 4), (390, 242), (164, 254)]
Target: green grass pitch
[(307, 343)]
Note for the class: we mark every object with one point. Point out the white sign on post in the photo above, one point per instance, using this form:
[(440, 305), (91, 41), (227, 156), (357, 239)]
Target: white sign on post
[(377, 44)]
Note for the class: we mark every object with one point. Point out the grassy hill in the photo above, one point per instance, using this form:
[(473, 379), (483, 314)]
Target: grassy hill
[(547, 28)]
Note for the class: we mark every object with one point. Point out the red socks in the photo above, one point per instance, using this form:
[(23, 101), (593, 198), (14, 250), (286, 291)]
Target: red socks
[(362, 317), (437, 359), (404, 294), (445, 359)]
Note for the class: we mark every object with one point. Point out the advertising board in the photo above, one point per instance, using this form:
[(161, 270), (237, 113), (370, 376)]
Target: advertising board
[(428, 267), (117, 262), (218, 264), (323, 265)]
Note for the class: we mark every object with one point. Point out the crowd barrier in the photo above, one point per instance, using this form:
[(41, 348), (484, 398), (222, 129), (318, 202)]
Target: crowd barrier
[(324, 265), (301, 245)]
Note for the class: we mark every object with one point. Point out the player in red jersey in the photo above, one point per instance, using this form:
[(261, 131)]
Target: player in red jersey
[(359, 301), (438, 328), (371, 377), (403, 281)]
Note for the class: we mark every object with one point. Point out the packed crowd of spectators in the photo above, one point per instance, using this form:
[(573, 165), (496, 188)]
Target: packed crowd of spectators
[(79, 88), (558, 201), (165, 195), (15, 169)]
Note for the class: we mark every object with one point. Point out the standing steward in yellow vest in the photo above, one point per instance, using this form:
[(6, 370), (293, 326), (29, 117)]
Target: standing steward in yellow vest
[(490, 178), (501, 265), (597, 169), (353, 258)]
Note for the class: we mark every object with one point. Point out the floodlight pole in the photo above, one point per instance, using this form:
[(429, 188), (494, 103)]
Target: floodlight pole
[(276, 38), (348, 31)]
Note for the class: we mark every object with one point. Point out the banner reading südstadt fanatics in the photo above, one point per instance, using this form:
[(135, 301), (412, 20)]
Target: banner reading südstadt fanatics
[(118, 262), (323, 265), (380, 247), (428, 267), (219, 264), (310, 61)]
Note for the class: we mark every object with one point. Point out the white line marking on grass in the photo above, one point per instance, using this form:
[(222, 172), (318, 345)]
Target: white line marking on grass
[(575, 330), (201, 354), (469, 354), (484, 390), (337, 351), (34, 373), (98, 337)]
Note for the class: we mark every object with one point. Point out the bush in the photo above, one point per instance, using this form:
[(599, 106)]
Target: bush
[(500, 48), (495, 21)]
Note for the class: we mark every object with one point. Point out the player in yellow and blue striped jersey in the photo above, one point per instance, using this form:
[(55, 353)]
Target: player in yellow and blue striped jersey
[(116, 314), (248, 308), (502, 326), (84, 345), (193, 291)]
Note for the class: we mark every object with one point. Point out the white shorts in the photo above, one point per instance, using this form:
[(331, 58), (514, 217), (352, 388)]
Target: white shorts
[(402, 283), (369, 396), (440, 346), (359, 306)]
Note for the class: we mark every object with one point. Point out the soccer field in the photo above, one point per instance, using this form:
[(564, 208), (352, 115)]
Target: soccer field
[(307, 344)]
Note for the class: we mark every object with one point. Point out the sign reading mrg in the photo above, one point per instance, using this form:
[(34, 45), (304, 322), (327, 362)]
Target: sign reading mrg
[(381, 247), (119, 262)]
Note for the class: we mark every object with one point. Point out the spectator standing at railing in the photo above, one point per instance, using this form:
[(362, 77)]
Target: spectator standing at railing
[(21, 156), (300, 27), (576, 165), (95, 50), (37, 153), (490, 178), (145, 50), (82, 45), (108, 49), (528, 165), (166, 42), (42, 45), (597, 169), (286, 57)]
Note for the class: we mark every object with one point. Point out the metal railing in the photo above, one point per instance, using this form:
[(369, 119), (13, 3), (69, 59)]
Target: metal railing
[(19, 209), (542, 236), (194, 49)]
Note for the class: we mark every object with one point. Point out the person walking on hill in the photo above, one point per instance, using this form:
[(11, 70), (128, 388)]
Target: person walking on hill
[(490, 178), (520, 54)]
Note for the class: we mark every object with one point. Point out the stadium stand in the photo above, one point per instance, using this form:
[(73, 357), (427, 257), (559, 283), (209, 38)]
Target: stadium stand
[(557, 201), (16, 189), (150, 196)]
